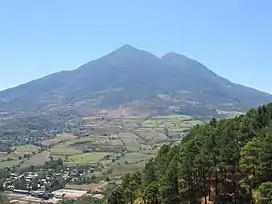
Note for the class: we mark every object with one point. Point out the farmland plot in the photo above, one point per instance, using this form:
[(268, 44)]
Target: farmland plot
[(130, 141), (37, 160)]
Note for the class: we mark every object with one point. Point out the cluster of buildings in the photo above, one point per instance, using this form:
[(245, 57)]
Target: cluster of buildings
[(41, 194), (26, 180), (23, 196)]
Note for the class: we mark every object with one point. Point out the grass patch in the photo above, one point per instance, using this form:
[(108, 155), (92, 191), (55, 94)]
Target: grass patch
[(7, 156), (152, 136), (177, 129), (92, 187), (130, 140), (26, 148), (134, 157), (59, 138), (87, 158), (172, 117), (150, 124), (112, 140), (37, 160), (64, 151), (129, 162), (56, 157), (65, 136), (134, 117), (9, 164)]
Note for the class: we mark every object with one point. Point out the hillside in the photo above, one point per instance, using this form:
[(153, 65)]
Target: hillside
[(224, 161), (137, 80)]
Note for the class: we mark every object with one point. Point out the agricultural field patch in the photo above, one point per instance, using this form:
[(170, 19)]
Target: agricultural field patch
[(134, 157), (26, 148), (128, 163), (10, 164), (229, 113), (151, 137), (98, 143), (130, 141), (150, 124), (91, 187), (177, 124), (59, 138), (12, 156), (63, 157), (134, 117), (65, 136), (121, 169), (37, 160), (87, 158), (172, 117), (64, 151), (131, 123)]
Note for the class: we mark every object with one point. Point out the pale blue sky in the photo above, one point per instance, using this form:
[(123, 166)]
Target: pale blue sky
[(232, 37)]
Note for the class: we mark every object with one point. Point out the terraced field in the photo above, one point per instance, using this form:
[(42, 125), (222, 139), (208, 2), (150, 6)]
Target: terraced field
[(118, 145), (129, 142)]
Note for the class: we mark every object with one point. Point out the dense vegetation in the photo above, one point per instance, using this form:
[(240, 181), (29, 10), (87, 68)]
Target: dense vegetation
[(28, 130), (225, 161)]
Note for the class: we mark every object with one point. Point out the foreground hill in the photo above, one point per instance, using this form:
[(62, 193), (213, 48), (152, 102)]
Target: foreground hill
[(134, 79), (225, 161)]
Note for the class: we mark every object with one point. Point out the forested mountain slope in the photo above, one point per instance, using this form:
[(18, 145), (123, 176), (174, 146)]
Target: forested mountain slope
[(225, 161)]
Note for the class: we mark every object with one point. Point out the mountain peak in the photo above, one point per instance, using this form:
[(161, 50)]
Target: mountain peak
[(174, 55), (129, 52), (127, 46), (127, 75), (127, 49)]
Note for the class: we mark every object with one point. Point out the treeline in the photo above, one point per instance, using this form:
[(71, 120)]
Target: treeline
[(224, 161)]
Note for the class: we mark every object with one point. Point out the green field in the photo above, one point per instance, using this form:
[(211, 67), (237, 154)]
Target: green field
[(64, 151), (130, 141), (87, 158), (65, 148), (4, 157), (26, 148), (129, 162), (120, 169), (172, 117), (9, 164), (59, 138), (134, 157), (153, 137)]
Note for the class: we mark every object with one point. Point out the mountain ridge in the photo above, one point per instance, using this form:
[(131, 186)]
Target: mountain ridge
[(129, 74)]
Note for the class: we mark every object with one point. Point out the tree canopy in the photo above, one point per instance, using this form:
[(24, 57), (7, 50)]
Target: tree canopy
[(224, 161)]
